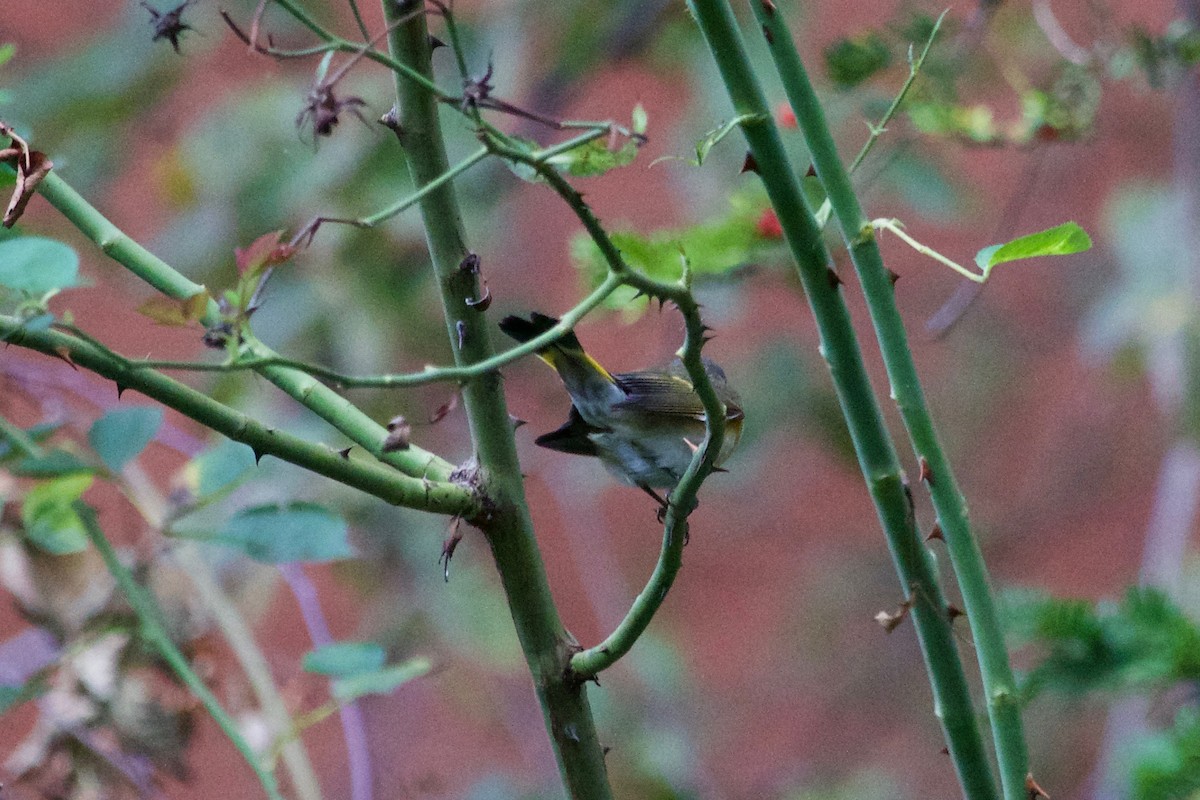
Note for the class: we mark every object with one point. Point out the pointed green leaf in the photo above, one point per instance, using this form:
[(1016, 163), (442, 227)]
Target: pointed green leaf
[(382, 681), (49, 519), (220, 468), (120, 435), (37, 265), (51, 465), (343, 659), (279, 534), (1061, 240)]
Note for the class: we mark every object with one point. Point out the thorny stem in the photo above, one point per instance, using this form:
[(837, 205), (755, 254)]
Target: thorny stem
[(509, 529), (382, 482), (588, 663), (152, 630), (872, 443), (336, 410), (1003, 703)]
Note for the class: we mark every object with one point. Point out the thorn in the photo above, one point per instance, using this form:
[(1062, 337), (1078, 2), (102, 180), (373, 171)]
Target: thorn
[(461, 328), (936, 533), (945, 751), (704, 340), (890, 620), (435, 43), (258, 455), (719, 469), (926, 472), (391, 121), (769, 7), (445, 408), (482, 303), (469, 264), (120, 390), (812, 172), (516, 422), (892, 276), (1035, 791), (749, 165), (399, 433), (770, 37), (953, 612), (835, 280), (449, 545), (692, 447), (345, 452), (64, 354)]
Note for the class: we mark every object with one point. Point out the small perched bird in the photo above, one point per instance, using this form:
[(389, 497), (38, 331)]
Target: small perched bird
[(644, 426)]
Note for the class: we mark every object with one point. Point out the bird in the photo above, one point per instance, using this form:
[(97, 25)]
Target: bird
[(643, 426)]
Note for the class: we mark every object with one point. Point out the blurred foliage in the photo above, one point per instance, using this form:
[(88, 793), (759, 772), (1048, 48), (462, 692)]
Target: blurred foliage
[(362, 301)]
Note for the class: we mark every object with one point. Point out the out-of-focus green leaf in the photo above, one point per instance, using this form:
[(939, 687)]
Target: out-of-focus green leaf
[(1061, 240), (594, 158), (279, 534), (1165, 766), (7, 51), (51, 465), (850, 61), (121, 434), (218, 469), (38, 433), (383, 681), (37, 265), (48, 518), (344, 659)]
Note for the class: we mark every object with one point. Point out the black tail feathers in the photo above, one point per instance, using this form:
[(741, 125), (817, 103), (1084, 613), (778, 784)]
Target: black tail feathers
[(523, 329)]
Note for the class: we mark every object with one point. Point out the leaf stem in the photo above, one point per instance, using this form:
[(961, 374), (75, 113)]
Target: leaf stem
[(1000, 688), (151, 628)]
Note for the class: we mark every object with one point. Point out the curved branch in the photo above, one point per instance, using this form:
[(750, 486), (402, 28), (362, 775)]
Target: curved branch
[(382, 482)]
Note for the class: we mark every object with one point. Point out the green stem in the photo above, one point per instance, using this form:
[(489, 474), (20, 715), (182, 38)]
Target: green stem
[(156, 635), (432, 186), (509, 530), (382, 482), (19, 439), (254, 664), (428, 375), (1000, 688), (873, 445), (588, 663), (328, 404)]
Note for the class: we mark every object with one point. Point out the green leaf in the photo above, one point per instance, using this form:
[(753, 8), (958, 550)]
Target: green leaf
[(710, 139), (383, 681), (594, 158), (1061, 240), (51, 465), (344, 659), (641, 120), (37, 265), (49, 520), (280, 534), (38, 433), (219, 469), (850, 61), (7, 51), (13, 696), (120, 435)]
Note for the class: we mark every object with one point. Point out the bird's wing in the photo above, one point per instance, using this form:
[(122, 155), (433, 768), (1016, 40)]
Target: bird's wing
[(573, 437)]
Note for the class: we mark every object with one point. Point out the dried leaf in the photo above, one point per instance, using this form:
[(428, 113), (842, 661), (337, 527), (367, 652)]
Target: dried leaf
[(30, 170), (168, 311), (265, 251)]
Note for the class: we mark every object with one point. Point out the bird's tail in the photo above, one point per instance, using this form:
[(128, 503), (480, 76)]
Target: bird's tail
[(585, 379)]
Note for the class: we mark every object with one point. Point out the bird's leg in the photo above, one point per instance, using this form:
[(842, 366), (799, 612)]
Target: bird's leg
[(662, 504)]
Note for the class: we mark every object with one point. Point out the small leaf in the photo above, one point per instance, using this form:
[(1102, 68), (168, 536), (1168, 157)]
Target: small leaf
[(49, 519), (220, 468), (594, 158), (1062, 240), (713, 137), (640, 119), (37, 265), (851, 61), (265, 251), (177, 313), (7, 51), (343, 659), (120, 435), (278, 534), (382, 681)]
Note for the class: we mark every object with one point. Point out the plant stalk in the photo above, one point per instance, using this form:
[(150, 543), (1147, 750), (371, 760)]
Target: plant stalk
[(545, 642), (1003, 702), (872, 443)]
